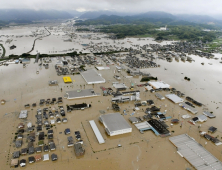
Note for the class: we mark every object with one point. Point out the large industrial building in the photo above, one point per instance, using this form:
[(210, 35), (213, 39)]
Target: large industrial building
[(174, 98), (81, 93), (195, 153), (92, 77), (158, 84), (115, 124)]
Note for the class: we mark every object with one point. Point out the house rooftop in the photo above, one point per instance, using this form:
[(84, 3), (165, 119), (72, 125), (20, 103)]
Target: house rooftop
[(212, 129), (78, 149), (119, 86), (46, 157), (16, 154), (133, 120), (208, 114), (31, 159), (54, 157), (23, 114), (14, 162)]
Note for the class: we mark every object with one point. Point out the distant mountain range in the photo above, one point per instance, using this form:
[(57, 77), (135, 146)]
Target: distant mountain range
[(154, 15), (96, 14), (196, 18), (28, 15), (151, 14)]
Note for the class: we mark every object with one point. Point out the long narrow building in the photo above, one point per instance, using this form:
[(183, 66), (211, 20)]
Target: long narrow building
[(96, 132)]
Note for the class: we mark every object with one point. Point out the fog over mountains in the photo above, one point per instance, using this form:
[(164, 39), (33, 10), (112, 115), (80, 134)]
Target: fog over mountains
[(26, 15)]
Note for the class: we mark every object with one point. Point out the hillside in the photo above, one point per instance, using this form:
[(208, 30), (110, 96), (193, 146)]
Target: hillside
[(96, 14), (156, 15)]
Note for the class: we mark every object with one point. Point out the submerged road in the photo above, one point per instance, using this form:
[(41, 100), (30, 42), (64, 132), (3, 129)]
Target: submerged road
[(33, 46), (3, 48)]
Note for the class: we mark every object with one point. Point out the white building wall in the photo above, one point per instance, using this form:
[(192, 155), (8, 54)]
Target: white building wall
[(120, 132)]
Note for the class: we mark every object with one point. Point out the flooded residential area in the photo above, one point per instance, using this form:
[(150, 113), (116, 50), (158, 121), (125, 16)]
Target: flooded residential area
[(98, 102)]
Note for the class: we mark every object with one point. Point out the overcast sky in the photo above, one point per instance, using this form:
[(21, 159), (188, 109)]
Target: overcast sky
[(203, 7)]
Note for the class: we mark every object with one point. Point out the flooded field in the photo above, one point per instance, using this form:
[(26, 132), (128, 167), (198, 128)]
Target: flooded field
[(61, 40), (205, 82)]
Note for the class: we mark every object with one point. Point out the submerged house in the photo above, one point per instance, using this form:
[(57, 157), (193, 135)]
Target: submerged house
[(54, 157), (22, 163), (79, 150), (16, 154), (31, 159), (23, 114), (14, 162), (46, 157)]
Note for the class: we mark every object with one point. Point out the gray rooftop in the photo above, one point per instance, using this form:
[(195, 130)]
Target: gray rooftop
[(143, 125), (159, 96), (92, 77), (189, 108), (23, 114), (208, 114), (133, 119), (80, 94), (195, 153), (53, 82), (119, 85), (174, 98), (114, 122)]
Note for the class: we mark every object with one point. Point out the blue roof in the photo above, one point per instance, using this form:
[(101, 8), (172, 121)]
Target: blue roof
[(148, 128), (67, 130)]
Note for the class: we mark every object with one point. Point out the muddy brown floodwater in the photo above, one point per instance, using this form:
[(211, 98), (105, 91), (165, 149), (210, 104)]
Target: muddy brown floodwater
[(20, 86)]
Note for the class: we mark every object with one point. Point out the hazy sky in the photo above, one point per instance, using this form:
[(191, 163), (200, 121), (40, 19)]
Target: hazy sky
[(203, 7)]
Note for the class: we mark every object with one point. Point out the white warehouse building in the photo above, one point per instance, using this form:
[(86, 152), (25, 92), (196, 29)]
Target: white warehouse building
[(91, 76), (115, 124)]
